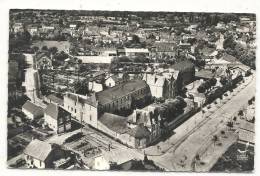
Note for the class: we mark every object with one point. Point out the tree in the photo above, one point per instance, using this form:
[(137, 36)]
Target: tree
[(213, 81), (35, 49), (44, 48), (223, 80), (53, 50), (201, 88), (215, 139), (135, 39)]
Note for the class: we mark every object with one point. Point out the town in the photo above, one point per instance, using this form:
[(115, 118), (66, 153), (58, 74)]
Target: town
[(117, 90)]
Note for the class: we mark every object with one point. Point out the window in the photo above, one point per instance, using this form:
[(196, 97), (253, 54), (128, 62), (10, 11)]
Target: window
[(71, 109), (75, 111), (90, 118)]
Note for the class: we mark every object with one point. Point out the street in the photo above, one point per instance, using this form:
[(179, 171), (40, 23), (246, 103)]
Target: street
[(187, 146)]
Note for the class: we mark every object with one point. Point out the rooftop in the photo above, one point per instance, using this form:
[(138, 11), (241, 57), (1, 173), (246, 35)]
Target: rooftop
[(38, 149), (120, 90), (32, 108), (119, 156), (55, 111), (139, 132), (114, 122), (55, 99)]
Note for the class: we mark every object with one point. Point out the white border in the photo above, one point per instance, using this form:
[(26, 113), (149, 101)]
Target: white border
[(239, 6)]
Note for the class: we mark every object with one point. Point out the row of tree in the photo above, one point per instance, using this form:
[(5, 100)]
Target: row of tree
[(207, 85)]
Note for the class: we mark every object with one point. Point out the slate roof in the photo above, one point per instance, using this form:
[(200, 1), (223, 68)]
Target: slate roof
[(55, 111), (119, 156), (38, 149), (139, 132), (155, 80), (55, 99), (229, 58), (114, 122), (32, 108), (120, 90)]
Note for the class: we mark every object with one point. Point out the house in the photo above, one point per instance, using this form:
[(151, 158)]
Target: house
[(57, 118), (53, 99), (137, 136), (122, 96), (150, 118), (132, 51), (116, 79), (43, 61), (162, 86), (141, 136), (41, 155), (107, 160), (98, 75), (83, 108), (94, 86), (186, 73), (136, 51), (96, 110), (32, 111)]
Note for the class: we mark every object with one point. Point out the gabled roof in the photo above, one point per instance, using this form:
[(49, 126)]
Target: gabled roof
[(120, 90), (32, 108), (38, 149), (55, 111), (229, 58), (115, 78), (139, 132), (119, 156), (114, 122), (154, 80), (55, 99)]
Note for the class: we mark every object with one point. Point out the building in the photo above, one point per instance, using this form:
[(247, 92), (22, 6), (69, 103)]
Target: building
[(107, 160), (32, 111), (162, 86), (95, 86), (116, 79), (186, 73), (57, 118), (83, 108), (132, 52), (148, 117), (123, 96), (53, 99), (41, 155)]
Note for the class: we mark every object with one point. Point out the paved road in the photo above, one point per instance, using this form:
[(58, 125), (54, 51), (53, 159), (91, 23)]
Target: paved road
[(30, 82), (193, 142)]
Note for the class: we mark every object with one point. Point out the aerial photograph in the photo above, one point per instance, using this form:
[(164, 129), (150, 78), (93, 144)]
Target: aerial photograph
[(131, 90)]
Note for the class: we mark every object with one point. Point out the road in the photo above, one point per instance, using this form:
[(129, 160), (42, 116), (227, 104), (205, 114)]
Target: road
[(30, 82), (185, 147)]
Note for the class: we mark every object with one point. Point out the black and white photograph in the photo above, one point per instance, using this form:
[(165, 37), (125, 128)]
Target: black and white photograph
[(153, 91)]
